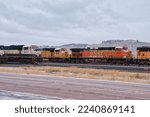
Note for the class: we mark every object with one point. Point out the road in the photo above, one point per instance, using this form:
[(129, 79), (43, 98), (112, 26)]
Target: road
[(72, 88)]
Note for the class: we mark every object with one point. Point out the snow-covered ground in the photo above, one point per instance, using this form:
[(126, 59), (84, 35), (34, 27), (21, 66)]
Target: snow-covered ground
[(8, 95)]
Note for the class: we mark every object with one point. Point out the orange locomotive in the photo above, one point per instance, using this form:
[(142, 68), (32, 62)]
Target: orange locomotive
[(143, 55), (47, 53), (119, 55), (108, 52), (55, 54), (61, 53)]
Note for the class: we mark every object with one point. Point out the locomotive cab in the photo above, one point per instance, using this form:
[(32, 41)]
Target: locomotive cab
[(123, 52), (77, 52), (61, 53), (143, 55), (31, 50), (48, 53), (26, 50), (143, 52)]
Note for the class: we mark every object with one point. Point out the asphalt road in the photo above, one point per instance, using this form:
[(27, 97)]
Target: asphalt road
[(72, 88)]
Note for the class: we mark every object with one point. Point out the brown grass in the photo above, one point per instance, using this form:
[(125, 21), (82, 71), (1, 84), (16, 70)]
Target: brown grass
[(81, 73)]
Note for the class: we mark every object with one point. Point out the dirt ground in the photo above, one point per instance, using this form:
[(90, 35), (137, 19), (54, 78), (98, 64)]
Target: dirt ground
[(88, 73)]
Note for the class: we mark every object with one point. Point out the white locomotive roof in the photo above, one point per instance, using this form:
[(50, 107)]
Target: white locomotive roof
[(58, 49)]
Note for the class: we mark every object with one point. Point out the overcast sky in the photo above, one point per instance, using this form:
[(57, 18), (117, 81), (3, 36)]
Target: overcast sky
[(56, 22)]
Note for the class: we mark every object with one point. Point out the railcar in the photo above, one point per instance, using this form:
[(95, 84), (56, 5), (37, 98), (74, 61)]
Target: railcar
[(47, 54), (19, 53), (77, 55), (113, 55), (143, 55), (60, 55), (55, 54)]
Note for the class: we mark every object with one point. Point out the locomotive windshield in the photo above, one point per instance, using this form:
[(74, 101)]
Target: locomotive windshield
[(26, 48)]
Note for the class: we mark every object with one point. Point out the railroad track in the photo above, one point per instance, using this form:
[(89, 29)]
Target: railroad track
[(132, 68), (112, 67)]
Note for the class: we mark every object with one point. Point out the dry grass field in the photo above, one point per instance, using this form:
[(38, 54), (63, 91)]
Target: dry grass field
[(81, 73)]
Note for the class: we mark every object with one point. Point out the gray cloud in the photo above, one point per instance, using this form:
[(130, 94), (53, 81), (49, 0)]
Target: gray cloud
[(73, 21)]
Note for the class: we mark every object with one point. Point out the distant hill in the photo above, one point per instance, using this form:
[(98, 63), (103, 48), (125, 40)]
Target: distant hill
[(68, 46), (131, 44)]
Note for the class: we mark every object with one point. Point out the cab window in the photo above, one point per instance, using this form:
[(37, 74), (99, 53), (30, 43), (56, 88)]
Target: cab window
[(26, 48)]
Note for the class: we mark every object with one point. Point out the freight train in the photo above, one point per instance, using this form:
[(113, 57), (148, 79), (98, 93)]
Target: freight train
[(102, 55)]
